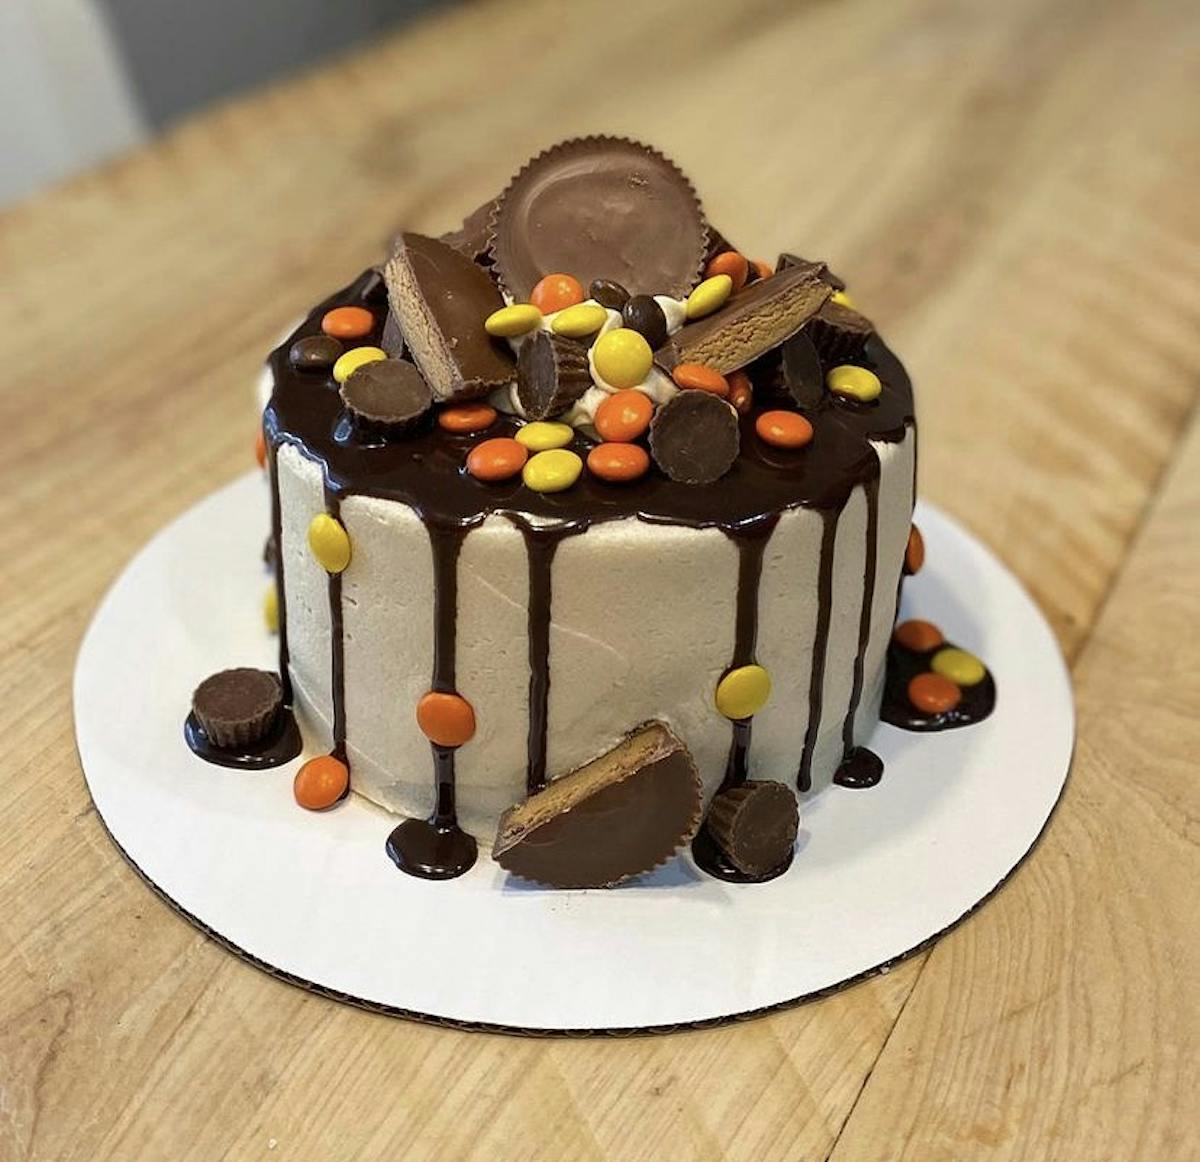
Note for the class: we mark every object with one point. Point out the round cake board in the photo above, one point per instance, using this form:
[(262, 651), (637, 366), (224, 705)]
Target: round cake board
[(313, 899)]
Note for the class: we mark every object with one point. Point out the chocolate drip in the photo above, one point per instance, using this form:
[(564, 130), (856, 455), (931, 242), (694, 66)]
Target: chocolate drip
[(437, 848), (871, 488), (816, 681), (281, 744), (337, 643), (285, 676), (860, 768), (541, 543)]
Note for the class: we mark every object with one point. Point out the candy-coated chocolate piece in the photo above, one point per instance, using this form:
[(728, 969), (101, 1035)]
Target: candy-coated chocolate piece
[(447, 719), (743, 692), (542, 435), (732, 263), (698, 377), (608, 293), (466, 418), (842, 299), (497, 459), (622, 357), (348, 322), (270, 608), (355, 358), (617, 463), (763, 269), (914, 551), (552, 471), (579, 321), (315, 353), (783, 429), (509, 322), (741, 393), (329, 542), (623, 416), (858, 383), (556, 292), (260, 448), (711, 295), (645, 315), (933, 693), (321, 782), (961, 667), (918, 636)]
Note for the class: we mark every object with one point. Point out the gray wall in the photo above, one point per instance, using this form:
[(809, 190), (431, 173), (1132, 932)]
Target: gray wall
[(181, 54)]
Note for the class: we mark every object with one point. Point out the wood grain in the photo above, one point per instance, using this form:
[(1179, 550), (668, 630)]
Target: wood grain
[(1010, 190)]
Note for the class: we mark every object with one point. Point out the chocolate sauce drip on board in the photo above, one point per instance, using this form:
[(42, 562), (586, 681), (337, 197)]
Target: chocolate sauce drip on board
[(816, 681), (903, 665), (437, 848), (281, 744)]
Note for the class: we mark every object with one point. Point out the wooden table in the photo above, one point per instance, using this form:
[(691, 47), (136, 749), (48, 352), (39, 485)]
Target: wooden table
[(1012, 191)]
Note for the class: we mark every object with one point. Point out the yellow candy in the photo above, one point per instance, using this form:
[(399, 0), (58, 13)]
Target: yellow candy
[(355, 358), (329, 543), (542, 435), (270, 609), (962, 668), (509, 322), (579, 321), (552, 471), (842, 299), (855, 382), (623, 357), (743, 692), (708, 296)]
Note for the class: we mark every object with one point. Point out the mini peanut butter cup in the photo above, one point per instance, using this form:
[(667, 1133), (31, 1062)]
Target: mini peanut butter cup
[(471, 238), (755, 825), (552, 373), (600, 208), (839, 333), (618, 816), (237, 707), (694, 437), (387, 397), (441, 300)]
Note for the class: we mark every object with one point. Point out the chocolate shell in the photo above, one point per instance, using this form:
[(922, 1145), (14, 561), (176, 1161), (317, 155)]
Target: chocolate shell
[(616, 817), (600, 208), (755, 825)]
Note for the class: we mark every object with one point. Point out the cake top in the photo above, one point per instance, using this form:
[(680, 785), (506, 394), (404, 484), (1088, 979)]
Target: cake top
[(587, 346)]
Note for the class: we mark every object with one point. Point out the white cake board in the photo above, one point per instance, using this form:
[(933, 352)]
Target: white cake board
[(314, 899)]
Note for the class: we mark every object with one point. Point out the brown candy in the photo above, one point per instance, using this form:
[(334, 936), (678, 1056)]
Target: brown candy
[(642, 314), (388, 396), (800, 371), (441, 299), (237, 707), (760, 317), (392, 341), (600, 208), (315, 353), (471, 238), (839, 332), (694, 437), (755, 825), (621, 815), (552, 373), (608, 293), (787, 261)]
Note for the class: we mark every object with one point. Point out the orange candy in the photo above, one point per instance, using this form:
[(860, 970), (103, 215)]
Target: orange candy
[(556, 292), (467, 417), (732, 263), (783, 429), (741, 394), (348, 322), (321, 782), (446, 719), (260, 448), (932, 694), (914, 551), (917, 635), (763, 269), (496, 459), (699, 377), (624, 416), (617, 462)]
